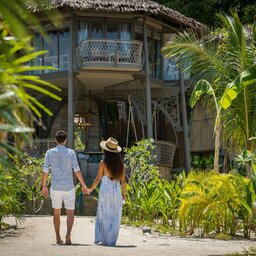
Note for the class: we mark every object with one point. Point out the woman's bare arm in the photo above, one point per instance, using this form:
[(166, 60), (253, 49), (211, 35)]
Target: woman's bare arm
[(123, 184)]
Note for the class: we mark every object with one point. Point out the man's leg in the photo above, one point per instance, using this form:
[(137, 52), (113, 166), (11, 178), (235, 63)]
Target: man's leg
[(56, 205), (56, 222), (69, 201), (70, 221)]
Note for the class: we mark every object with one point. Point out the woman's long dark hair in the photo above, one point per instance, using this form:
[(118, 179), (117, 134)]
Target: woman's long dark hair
[(114, 164)]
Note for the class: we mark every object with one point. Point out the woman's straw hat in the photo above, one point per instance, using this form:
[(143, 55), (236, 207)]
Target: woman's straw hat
[(111, 145)]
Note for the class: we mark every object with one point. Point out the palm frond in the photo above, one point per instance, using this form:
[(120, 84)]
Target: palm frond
[(192, 53)]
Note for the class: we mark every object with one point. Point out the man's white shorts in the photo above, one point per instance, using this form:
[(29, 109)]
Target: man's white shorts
[(58, 197)]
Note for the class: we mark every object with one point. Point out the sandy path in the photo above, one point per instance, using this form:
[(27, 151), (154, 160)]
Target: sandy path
[(36, 237)]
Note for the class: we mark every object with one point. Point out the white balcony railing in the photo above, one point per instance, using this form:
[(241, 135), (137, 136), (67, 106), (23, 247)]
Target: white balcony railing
[(108, 52)]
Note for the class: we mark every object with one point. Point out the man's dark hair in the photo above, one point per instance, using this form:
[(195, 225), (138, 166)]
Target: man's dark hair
[(60, 136)]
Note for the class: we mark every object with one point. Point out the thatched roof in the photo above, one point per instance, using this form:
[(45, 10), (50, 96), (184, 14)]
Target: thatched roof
[(124, 6)]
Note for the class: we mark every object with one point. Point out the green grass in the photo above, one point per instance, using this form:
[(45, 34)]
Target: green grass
[(222, 236), (164, 229)]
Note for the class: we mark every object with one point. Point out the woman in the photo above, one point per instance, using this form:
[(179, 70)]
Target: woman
[(112, 176)]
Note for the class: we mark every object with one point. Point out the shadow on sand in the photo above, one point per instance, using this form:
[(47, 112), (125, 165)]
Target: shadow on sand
[(77, 244), (73, 244), (125, 246), (118, 246)]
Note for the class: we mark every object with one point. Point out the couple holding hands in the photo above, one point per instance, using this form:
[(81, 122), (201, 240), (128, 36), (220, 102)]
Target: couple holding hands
[(62, 161)]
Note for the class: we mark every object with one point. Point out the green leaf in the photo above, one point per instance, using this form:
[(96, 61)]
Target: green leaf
[(28, 57), (200, 88), (228, 96), (245, 78), (43, 91), (36, 102), (15, 128), (246, 206)]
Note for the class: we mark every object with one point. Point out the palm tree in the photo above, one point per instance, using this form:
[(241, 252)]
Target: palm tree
[(223, 67), (18, 107)]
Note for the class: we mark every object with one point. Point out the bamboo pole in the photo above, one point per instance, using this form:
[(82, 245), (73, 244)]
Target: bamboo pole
[(184, 123), (71, 85), (147, 81)]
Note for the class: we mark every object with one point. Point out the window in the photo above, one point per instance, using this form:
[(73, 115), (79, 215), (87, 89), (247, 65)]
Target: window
[(138, 32), (154, 48), (37, 43), (63, 50), (125, 35), (150, 51), (125, 31), (51, 45), (107, 28), (83, 30), (157, 55), (112, 30), (57, 45), (171, 71), (97, 29)]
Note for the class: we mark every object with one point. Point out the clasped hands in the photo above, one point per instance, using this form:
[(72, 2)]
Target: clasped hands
[(86, 191)]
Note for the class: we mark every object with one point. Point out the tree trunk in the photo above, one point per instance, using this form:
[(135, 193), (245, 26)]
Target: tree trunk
[(226, 159), (248, 170), (217, 147)]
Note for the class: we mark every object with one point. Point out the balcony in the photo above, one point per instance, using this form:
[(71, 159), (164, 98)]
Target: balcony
[(104, 54)]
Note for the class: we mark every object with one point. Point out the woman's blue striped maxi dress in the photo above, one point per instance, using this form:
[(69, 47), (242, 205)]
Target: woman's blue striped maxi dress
[(109, 212)]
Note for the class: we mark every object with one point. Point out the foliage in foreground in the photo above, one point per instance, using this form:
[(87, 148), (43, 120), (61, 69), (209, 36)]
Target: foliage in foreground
[(19, 107), (11, 188), (21, 193), (148, 196), (31, 169), (203, 203)]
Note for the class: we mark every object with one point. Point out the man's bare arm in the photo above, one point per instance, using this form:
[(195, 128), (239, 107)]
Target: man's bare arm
[(81, 180), (44, 184)]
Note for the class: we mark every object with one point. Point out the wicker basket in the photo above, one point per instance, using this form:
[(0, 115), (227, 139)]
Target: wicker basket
[(165, 151)]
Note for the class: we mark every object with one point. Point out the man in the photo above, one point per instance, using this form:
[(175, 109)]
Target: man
[(62, 162)]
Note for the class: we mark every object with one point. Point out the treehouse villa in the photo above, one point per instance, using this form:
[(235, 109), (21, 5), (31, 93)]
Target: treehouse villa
[(115, 82)]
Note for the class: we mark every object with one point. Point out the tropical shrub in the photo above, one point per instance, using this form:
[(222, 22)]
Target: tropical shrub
[(202, 162), (246, 162), (12, 186), (141, 160), (142, 181), (170, 193), (203, 203), (213, 202), (31, 168), (20, 187), (149, 198)]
